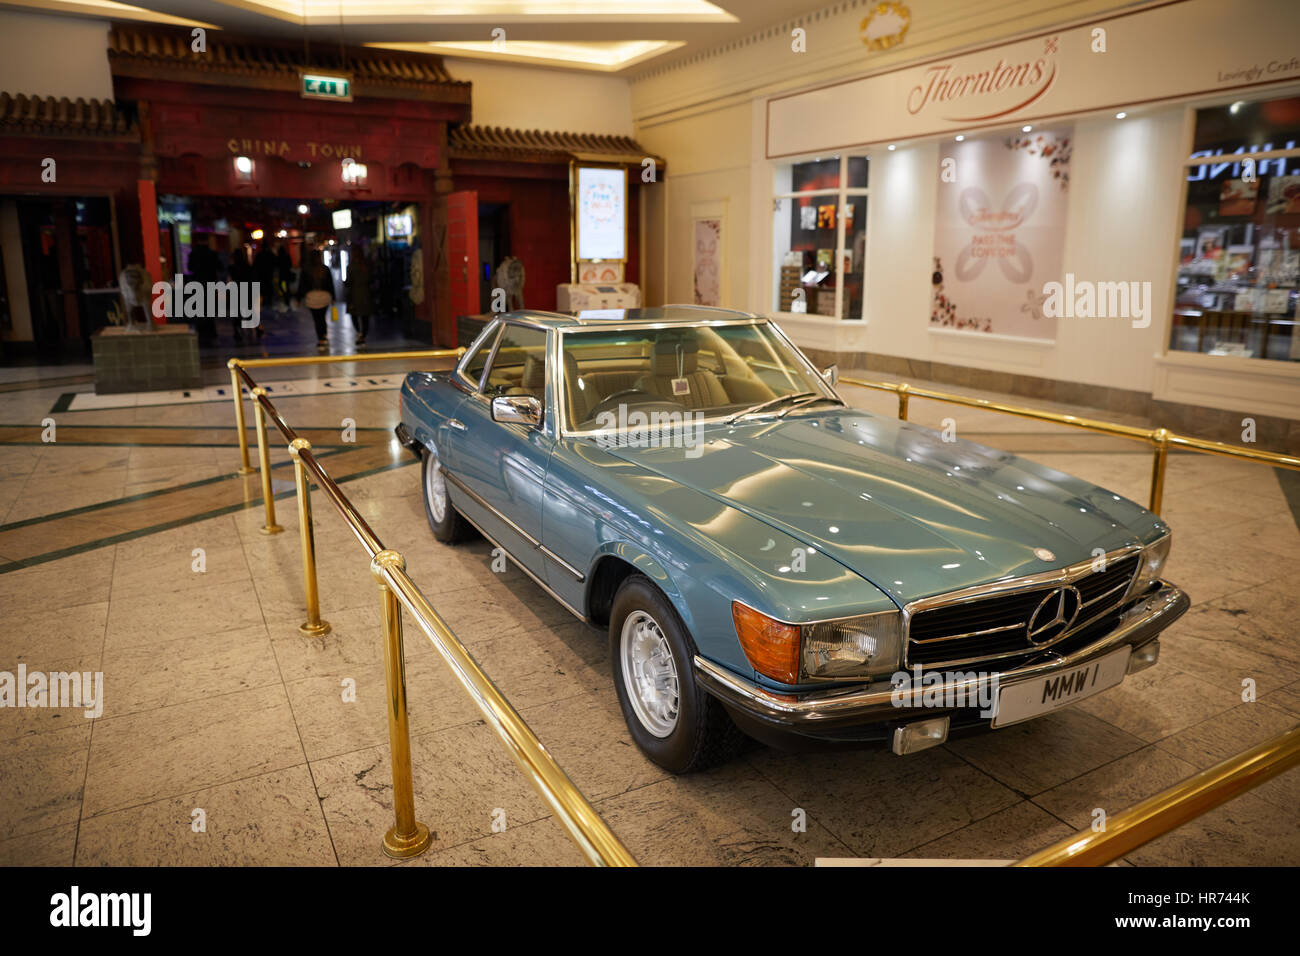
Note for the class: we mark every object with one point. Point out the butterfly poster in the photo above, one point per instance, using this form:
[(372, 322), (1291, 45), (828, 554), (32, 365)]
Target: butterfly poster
[(1000, 230)]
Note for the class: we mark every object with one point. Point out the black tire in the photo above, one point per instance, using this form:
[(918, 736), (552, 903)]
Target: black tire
[(452, 528), (703, 734)]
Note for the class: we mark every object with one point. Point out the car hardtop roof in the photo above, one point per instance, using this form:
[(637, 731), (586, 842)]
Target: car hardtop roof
[(616, 318)]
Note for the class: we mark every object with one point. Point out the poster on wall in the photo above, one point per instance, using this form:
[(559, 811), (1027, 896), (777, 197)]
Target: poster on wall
[(708, 261), (999, 232), (601, 209)]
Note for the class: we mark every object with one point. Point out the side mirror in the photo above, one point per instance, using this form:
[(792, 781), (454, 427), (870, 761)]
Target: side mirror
[(831, 374), (517, 409)]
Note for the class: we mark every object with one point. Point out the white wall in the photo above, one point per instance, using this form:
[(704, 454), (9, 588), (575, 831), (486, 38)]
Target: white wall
[(524, 97), (54, 56), (700, 182)]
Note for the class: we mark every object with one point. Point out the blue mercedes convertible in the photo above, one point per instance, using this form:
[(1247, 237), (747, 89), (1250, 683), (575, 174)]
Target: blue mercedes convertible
[(770, 561)]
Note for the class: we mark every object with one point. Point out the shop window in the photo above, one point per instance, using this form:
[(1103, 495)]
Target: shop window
[(819, 235), (1239, 253)]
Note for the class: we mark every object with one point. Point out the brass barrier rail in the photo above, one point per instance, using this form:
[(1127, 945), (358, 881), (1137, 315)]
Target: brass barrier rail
[(408, 837), (1170, 809), (1161, 438)]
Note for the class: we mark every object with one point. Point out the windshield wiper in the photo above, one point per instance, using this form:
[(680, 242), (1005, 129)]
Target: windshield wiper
[(770, 403), (811, 400)]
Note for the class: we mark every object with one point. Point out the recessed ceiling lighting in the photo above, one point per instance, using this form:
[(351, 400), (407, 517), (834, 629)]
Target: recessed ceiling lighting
[(606, 56), (960, 137), (892, 147), (1025, 129), (1236, 107), (1120, 115)]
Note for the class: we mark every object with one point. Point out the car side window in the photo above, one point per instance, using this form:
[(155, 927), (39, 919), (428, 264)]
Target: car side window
[(472, 371), (519, 365)]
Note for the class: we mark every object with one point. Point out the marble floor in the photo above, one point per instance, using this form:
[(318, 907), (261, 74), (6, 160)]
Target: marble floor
[(219, 712)]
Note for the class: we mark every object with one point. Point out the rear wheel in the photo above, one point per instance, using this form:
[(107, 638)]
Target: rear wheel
[(673, 721), (447, 524)]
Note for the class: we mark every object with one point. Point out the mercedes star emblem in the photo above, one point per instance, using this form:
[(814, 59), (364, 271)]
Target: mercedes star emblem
[(1054, 615)]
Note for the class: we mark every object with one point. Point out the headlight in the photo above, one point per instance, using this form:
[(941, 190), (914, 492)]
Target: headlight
[(1154, 556), (856, 647)]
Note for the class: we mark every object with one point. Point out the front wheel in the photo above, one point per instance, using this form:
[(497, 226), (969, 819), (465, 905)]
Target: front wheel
[(673, 721), (447, 524)]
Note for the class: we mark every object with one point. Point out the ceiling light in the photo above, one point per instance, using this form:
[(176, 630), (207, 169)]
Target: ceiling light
[(1120, 115), (1235, 108), (303, 209), (960, 137), (892, 147), (607, 56), (1025, 129)]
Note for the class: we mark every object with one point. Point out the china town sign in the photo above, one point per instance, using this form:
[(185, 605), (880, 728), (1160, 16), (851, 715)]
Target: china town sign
[(1119, 62)]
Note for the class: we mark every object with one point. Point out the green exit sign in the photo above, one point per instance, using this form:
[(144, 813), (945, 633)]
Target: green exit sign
[(326, 86)]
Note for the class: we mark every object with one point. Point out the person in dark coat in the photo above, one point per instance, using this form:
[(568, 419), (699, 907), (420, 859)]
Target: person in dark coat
[(316, 290), (264, 266), (284, 266), (361, 303), (242, 272), (205, 267)]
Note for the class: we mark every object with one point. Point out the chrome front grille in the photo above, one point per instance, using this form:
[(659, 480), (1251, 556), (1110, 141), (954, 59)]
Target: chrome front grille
[(994, 623)]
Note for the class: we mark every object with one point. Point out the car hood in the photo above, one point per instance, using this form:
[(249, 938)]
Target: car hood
[(911, 513)]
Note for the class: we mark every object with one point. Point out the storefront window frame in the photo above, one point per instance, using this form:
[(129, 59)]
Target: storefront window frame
[(842, 193), (1189, 162)]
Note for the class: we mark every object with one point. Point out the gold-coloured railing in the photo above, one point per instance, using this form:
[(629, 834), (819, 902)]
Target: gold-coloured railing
[(1170, 809), (408, 837), (1162, 439)]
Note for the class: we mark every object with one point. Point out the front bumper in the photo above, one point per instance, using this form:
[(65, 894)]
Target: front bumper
[(406, 440), (815, 713)]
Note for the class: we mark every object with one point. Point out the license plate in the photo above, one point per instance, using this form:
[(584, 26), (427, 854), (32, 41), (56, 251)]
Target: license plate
[(1033, 698)]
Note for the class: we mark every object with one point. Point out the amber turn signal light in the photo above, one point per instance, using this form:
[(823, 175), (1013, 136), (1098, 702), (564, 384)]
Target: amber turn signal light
[(771, 646)]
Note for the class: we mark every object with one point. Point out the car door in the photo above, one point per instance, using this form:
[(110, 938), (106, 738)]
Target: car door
[(499, 466)]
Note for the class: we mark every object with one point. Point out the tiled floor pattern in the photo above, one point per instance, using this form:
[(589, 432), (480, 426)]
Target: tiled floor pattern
[(215, 701)]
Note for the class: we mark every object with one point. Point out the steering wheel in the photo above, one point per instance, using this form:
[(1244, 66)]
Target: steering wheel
[(611, 399)]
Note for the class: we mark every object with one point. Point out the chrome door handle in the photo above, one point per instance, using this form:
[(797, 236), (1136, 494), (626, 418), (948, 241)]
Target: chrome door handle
[(457, 424)]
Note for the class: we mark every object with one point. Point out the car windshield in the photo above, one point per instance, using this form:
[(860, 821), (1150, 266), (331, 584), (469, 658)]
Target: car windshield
[(716, 371)]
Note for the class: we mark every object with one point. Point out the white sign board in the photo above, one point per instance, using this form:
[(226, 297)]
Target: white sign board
[(1163, 51), (601, 206)]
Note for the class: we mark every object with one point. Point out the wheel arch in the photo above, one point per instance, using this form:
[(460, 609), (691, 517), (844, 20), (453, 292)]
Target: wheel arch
[(615, 563)]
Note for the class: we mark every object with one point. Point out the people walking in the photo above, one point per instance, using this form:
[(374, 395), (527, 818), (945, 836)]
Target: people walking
[(361, 302), (316, 290)]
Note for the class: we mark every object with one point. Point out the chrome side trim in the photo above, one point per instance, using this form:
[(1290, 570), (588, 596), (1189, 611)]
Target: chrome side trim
[(536, 544), (1139, 623), (524, 568)]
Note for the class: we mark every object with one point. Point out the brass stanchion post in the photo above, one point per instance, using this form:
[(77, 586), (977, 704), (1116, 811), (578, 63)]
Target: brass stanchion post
[(264, 460), (408, 837), (314, 626), (1161, 439), (237, 393), (902, 402)]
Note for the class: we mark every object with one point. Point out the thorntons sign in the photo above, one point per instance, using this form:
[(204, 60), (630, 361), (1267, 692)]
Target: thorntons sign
[(1161, 52), (950, 93)]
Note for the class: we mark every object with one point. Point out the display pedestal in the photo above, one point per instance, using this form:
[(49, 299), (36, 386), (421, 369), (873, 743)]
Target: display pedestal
[(164, 359)]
